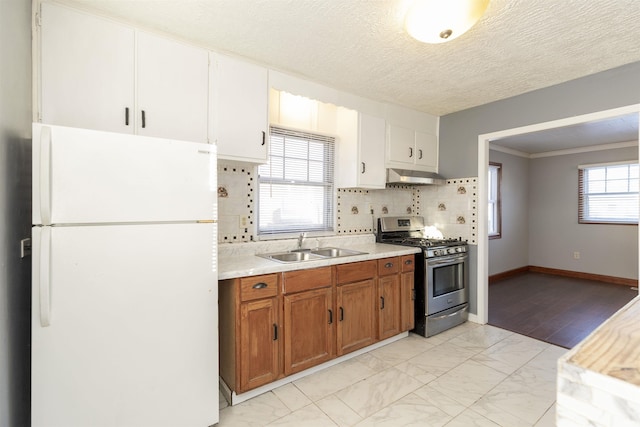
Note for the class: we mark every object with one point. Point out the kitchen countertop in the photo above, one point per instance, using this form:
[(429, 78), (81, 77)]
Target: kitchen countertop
[(599, 379), (244, 262)]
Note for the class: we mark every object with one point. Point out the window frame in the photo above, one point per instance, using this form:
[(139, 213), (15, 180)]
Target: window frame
[(328, 199), (497, 211), (583, 198)]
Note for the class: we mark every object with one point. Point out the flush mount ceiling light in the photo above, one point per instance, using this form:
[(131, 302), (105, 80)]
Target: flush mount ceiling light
[(439, 21)]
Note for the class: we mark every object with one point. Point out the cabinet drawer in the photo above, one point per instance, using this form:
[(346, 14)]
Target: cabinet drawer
[(304, 280), (257, 287), (408, 263), (353, 272), (388, 266)]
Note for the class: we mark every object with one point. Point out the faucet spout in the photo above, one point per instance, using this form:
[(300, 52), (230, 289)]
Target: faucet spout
[(300, 239)]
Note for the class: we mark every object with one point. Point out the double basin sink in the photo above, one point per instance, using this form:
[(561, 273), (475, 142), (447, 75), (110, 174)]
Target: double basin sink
[(300, 255)]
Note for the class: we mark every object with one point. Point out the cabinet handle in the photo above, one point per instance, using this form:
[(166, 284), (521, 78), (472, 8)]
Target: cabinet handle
[(413, 294), (410, 151), (260, 285), (126, 116), (144, 119), (264, 136), (388, 265), (341, 314), (275, 332), (364, 167), (419, 154), (381, 303), (330, 317), (408, 262)]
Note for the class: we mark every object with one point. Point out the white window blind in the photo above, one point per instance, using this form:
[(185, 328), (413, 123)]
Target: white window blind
[(296, 186), (608, 193)]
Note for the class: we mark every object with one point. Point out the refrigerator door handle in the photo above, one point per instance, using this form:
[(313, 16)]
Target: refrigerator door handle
[(45, 175), (45, 277)]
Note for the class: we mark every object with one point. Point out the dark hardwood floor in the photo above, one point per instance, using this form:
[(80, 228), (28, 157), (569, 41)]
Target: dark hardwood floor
[(558, 310)]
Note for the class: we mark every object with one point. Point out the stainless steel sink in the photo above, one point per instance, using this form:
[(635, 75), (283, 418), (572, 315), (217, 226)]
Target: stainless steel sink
[(310, 255), (335, 252), (292, 256)]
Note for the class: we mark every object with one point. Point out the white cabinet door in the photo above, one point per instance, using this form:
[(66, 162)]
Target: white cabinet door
[(427, 150), (173, 89), (401, 144), (240, 109), (87, 71), (371, 152)]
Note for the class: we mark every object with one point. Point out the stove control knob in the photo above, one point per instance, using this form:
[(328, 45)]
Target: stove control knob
[(452, 250)]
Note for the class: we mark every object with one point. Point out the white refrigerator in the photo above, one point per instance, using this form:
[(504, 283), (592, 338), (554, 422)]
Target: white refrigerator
[(124, 286)]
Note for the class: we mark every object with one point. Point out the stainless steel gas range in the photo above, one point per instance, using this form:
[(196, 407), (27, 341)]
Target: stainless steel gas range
[(442, 277)]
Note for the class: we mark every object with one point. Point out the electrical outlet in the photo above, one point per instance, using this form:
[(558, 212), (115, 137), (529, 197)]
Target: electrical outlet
[(576, 255), (243, 221)]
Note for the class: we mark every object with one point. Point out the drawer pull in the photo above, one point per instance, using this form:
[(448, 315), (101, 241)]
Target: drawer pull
[(260, 285), (408, 262), (388, 265)]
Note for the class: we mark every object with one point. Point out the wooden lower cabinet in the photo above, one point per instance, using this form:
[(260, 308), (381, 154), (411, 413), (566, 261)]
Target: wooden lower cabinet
[(259, 353), (356, 315), (407, 293), (308, 329), (279, 324)]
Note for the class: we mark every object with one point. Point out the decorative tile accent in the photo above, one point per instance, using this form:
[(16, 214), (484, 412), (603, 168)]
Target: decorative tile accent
[(236, 202), (452, 207)]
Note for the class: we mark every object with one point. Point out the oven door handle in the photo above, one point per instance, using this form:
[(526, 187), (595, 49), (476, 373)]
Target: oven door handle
[(455, 313), (447, 260)]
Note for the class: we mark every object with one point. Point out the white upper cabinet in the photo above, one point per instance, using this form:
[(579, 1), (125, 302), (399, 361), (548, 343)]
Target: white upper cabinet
[(98, 74), (87, 71), (239, 102), (173, 86), (411, 149), (361, 142)]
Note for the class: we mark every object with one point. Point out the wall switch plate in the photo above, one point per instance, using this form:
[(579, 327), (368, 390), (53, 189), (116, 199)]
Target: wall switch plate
[(576, 255), (25, 247)]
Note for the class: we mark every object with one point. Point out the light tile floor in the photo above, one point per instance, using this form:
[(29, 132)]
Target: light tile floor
[(471, 375)]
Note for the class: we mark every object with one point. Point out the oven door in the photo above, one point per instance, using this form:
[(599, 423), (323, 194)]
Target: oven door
[(447, 279)]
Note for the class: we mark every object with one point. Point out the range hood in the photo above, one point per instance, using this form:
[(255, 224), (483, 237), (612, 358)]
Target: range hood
[(409, 177)]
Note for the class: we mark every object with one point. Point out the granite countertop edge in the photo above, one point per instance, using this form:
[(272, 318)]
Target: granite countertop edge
[(234, 266)]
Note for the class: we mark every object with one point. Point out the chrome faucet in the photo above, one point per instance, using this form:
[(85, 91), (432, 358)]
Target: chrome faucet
[(300, 239)]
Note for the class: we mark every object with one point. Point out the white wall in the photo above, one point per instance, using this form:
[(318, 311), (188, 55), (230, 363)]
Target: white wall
[(554, 232), (511, 251), (15, 197)]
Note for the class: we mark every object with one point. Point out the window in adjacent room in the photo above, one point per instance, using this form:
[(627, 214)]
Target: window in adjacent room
[(495, 205), (608, 193), (295, 188)]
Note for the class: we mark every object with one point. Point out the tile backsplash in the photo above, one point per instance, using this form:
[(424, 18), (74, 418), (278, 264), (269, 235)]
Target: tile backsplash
[(450, 207)]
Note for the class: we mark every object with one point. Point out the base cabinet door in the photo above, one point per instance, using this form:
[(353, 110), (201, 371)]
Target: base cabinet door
[(407, 293), (258, 343), (389, 306), (308, 329), (356, 315)]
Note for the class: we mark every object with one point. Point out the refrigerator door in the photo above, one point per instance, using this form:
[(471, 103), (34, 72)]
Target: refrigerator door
[(91, 177), (125, 326)]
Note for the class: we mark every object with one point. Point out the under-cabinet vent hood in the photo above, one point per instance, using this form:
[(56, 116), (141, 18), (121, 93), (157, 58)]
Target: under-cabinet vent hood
[(409, 177)]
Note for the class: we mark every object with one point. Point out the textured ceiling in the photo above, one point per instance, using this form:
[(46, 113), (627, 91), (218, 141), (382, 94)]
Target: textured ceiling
[(359, 46)]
